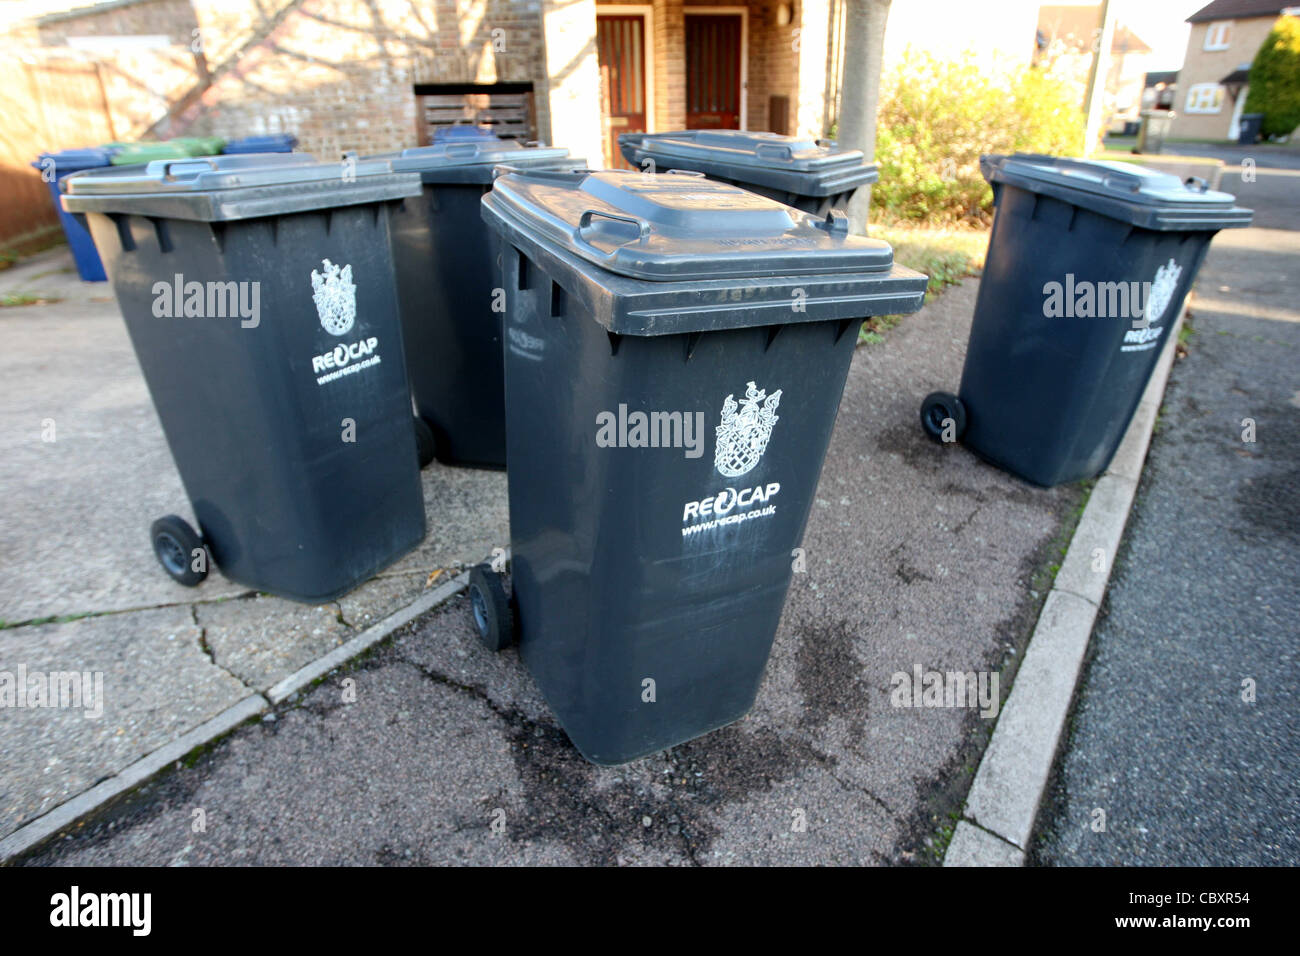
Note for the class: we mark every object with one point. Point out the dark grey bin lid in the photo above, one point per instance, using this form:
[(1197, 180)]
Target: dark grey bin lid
[(679, 226), (796, 164), (237, 186), (472, 153), (1125, 191)]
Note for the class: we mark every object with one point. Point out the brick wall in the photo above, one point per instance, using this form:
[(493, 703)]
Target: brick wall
[(338, 74)]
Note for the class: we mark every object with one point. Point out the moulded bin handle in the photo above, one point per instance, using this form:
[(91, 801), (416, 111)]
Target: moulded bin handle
[(826, 143), (1197, 183), (836, 223), (774, 150), (461, 150), (169, 163), (571, 174), (584, 223), (685, 172)]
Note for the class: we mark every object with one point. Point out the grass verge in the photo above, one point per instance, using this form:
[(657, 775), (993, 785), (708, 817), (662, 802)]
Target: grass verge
[(945, 255)]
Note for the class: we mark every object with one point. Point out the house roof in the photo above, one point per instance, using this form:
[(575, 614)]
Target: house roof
[(1238, 10), (1075, 26), (1161, 76), (1236, 77)]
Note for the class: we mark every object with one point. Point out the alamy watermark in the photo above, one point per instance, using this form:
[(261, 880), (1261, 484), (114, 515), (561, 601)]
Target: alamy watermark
[(946, 689), (64, 690), (175, 298), (638, 429)]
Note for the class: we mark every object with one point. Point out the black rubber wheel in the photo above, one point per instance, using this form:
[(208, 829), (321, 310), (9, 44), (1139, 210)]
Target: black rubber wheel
[(493, 617), (425, 444), (937, 408), (174, 544)]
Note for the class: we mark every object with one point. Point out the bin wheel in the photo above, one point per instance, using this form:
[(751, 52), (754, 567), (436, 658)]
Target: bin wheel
[(937, 408), (493, 617), (425, 444), (174, 544)]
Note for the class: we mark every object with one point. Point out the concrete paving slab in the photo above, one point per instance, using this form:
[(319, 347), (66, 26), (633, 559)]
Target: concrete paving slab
[(260, 639), (85, 470), (157, 684), (51, 275), (78, 507)]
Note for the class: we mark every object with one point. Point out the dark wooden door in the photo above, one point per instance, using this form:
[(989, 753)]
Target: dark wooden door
[(712, 71), (620, 51)]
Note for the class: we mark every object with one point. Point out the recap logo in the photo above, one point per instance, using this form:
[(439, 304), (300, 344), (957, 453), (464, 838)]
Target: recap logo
[(341, 354)]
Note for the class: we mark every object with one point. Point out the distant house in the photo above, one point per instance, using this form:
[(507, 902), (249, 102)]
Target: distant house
[(1225, 37), (1067, 34)]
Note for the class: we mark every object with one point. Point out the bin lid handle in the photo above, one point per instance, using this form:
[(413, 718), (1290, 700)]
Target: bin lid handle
[(1197, 183), (461, 149), (167, 165), (836, 223), (584, 224), (773, 151), (686, 172)]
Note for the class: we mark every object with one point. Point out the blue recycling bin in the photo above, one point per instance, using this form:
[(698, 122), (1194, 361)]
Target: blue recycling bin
[(272, 143), (54, 168)]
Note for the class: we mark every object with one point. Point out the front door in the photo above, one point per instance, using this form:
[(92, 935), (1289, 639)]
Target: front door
[(620, 51), (713, 70)]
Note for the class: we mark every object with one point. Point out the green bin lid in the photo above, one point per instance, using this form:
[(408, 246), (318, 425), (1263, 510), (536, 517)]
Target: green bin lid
[(133, 154), (1144, 197), (678, 226), (199, 145), (236, 186)]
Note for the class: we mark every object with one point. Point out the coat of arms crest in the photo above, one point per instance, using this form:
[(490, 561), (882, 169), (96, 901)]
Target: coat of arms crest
[(1162, 290), (335, 295), (745, 430)]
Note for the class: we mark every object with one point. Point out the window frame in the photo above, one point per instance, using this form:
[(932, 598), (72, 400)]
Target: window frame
[(1191, 104), (1222, 29)]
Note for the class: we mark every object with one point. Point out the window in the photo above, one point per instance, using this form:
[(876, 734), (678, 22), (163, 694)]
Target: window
[(1205, 98), (1219, 35)]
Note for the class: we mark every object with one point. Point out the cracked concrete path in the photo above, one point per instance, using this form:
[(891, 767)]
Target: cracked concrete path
[(84, 470), (916, 555)]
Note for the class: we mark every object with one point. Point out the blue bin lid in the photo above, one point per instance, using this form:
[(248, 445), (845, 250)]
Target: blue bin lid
[(72, 160), (270, 143), (678, 226), (1144, 197), (472, 161), (472, 153), (460, 132), (237, 186)]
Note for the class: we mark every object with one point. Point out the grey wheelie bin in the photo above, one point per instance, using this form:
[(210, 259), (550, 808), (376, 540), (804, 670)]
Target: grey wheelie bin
[(258, 293), (675, 351), (446, 276), (1087, 268), (813, 175)]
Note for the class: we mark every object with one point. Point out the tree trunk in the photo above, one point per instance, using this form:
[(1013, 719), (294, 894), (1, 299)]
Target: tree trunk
[(864, 41)]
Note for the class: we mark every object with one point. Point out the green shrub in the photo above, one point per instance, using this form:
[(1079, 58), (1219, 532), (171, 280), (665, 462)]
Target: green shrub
[(937, 117), (1275, 79)]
